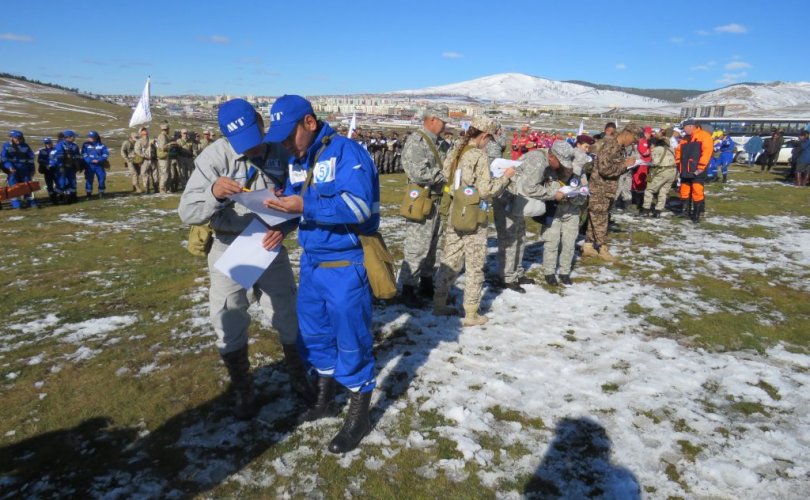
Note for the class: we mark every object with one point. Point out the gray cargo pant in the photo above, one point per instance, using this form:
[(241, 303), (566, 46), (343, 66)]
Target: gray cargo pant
[(660, 184), (624, 187), (562, 233), (511, 233), (229, 302), (421, 248)]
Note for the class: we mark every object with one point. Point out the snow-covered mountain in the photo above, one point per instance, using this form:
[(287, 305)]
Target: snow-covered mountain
[(517, 88), (787, 99)]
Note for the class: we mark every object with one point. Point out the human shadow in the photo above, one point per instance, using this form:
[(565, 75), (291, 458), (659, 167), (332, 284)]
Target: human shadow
[(406, 346), (578, 465), (189, 454)]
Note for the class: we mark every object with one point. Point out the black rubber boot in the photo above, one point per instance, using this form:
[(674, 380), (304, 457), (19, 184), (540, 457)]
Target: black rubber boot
[(324, 402), (552, 280), (565, 279), (643, 212), (697, 211), (238, 366), (686, 208), (725, 178), (409, 297), (426, 288), (356, 426), (299, 381), (655, 213)]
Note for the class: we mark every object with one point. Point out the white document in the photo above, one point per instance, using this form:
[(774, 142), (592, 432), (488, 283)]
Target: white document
[(254, 201), (638, 163), (246, 259), (498, 165)]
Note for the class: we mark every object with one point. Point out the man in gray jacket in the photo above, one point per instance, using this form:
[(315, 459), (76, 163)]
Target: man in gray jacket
[(422, 162), (237, 161)]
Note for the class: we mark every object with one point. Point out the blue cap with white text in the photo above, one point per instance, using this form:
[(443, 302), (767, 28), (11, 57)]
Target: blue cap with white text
[(237, 122), (286, 112)]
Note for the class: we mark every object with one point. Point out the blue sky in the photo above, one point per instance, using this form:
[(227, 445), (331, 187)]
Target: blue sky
[(312, 47)]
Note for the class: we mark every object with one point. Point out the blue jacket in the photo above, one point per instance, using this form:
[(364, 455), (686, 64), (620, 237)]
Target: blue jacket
[(803, 158), (44, 156), (66, 154), (754, 144), (726, 145), (94, 153), (19, 157), (345, 191)]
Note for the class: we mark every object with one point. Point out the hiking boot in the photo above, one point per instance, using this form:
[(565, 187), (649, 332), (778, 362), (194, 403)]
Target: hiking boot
[(472, 318), (588, 250), (324, 401), (356, 426), (426, 287), (605, 254), (238, 366), (440, 307), (655, 214), (299, 381), (644, 212), (565, 279), (551, 280), (725, 178), (515, 287), (409, 297), (523, 280)]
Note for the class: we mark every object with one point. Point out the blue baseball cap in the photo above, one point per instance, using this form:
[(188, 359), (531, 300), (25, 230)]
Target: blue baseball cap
[(16, 134), (285, 114), (47, 140), (237, 122), (69, 133), (92, 134)]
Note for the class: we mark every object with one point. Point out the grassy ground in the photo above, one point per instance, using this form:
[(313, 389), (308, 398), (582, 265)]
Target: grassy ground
[(134, 403)]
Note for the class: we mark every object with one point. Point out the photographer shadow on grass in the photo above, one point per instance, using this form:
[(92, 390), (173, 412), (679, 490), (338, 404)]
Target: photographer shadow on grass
[(190, 453), (577, 464)]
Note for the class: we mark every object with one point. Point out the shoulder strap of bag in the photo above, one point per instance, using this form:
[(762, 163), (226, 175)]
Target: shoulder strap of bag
[(324, 142), (432, 147)]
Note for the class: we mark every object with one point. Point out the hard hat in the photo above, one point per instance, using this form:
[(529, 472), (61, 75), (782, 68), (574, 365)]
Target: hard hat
[(69, 133), (47, 140), (16, 134), (92, 134)]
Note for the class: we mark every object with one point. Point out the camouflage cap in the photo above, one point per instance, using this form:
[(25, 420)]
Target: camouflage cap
[(485, 125), (164, 126), (436, 111), (563, 152), (184, 131)]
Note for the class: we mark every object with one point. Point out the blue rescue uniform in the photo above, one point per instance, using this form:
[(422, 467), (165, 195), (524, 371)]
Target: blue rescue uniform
[(18, 163), (94, 155), (44, 167), (334, 296), (64, 160)]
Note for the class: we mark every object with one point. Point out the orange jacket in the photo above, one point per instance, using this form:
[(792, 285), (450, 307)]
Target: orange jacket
[(706, 148)]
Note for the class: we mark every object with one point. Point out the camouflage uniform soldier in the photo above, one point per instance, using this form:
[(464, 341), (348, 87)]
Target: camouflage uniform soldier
[(623, 190), (186, 156), (128, 154), (205, 141), (463, 247), (422, 163), (663, 173), (162, 144), (390, 152), (611, 162), (510, 229), (146, 151)]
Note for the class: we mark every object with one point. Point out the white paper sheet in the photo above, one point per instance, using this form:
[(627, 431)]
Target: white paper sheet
[(245, 259), (254, 201), (498, 165)]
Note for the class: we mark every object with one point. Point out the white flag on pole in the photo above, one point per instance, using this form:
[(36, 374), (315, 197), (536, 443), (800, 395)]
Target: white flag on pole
[(142, 113), (581, 127), (352, 125)]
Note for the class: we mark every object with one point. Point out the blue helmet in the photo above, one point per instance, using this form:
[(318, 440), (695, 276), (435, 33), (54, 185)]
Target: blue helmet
[(47, 140), (92, 134), (16, 134), (69, 133)]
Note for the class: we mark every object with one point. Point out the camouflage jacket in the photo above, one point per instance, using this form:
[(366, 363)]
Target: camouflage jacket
[(609, 164), (162, 143), (186, 147), (127, 149), (474, 168), (419, 162), (144, 148)]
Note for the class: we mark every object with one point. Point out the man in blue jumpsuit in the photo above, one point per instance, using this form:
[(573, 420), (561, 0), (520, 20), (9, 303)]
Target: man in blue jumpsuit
[(95, 155), (65, 161), (333, 182), (17, 160), (726, 148), (44, 167)]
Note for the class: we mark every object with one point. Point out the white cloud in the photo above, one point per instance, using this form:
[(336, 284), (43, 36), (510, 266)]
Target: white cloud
[(736, 65), (729, 78), (704, 67), (735, 28), (215, 39), (621, 66), (702, 32), (676, 39), (452, 55), (16, 37)]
